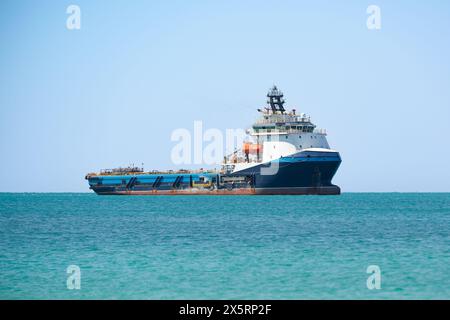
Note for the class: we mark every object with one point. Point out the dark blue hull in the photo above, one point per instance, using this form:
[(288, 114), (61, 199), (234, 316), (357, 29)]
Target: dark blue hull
[(307, 172), (301, 173)]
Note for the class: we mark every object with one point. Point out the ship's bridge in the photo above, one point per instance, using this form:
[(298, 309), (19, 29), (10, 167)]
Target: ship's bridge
[(275, 119), (281, 134), (277, 133), (270, 124)]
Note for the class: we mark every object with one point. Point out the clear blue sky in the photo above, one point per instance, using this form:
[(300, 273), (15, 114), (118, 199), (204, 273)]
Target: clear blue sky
[(110, 94)]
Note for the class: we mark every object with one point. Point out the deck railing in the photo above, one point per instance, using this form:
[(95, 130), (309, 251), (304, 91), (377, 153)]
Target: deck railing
[(283, 118), (285, 131)]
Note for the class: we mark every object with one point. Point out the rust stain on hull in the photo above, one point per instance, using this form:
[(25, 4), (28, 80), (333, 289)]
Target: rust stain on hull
[(330, 190), (184, 192)]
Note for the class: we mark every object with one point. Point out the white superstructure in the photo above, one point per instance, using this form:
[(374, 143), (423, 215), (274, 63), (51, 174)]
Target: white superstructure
[(277, 133)]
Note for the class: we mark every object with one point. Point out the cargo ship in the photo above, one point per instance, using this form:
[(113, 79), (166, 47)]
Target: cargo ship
[(284, 154)]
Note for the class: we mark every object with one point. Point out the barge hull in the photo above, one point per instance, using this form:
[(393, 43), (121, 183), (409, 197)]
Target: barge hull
[(330, 190), (304, 173), (187, 192)]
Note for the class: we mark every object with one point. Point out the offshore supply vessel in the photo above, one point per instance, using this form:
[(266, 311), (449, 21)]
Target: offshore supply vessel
[(284, 154)]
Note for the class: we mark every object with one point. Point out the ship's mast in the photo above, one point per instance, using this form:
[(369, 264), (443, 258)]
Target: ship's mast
[(275, 100)]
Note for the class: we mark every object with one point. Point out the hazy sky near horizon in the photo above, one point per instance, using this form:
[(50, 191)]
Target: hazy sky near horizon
[(111, 93)]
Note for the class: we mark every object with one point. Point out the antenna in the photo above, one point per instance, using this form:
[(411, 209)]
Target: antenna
[(275, 100)]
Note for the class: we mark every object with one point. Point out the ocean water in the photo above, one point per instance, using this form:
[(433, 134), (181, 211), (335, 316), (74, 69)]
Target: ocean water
[(225, 247)]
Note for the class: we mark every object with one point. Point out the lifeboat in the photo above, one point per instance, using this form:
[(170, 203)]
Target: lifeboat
[(252, 148)]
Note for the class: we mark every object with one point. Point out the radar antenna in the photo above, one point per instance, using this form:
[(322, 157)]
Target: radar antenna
[(275, 100)]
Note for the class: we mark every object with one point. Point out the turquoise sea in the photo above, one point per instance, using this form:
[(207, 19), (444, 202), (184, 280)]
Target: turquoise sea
[(225, 247)]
